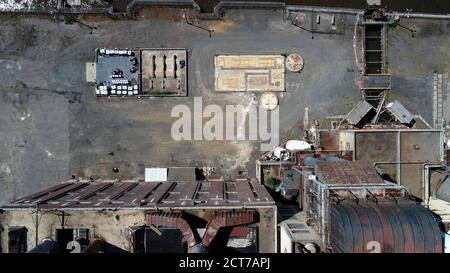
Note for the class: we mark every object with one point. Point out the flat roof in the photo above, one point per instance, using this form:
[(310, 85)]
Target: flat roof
[(347, 172), (97, 195)]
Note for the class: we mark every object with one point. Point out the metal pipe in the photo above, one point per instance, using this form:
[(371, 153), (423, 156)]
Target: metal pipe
[(403, 162), (322, 10), (419, 15), (323, 220), (358, 11), (399, 163), (46, 246), (36, 228)]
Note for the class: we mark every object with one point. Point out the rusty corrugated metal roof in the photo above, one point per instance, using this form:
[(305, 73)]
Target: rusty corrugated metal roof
[(151, 195), (347, 172)]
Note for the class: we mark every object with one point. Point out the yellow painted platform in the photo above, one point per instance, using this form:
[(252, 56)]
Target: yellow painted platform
[(249, 73)]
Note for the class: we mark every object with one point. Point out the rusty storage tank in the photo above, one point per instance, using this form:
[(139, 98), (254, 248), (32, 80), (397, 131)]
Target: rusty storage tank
[(402, 226)]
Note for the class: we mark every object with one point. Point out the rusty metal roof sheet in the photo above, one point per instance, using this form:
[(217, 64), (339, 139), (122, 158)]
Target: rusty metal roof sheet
[(347, 172), (147, 195), (391, 227)]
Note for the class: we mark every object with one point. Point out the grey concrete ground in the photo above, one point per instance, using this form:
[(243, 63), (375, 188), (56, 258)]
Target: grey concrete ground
[(52, 126)]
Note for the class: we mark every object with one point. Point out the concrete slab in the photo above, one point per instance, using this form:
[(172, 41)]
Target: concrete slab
[(249, 72), (90, 72)]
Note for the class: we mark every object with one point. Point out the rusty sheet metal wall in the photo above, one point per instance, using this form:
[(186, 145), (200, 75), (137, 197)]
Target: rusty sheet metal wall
[(400, 154), (448, 157), (148, 195), (378, 147), (329, 140), (347, 172), (391, 227), (417, 146)]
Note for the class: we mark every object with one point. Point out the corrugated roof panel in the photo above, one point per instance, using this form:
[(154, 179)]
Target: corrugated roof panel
[(133, 194)]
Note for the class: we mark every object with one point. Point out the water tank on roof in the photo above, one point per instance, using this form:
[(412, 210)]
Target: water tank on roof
[(402, 226)]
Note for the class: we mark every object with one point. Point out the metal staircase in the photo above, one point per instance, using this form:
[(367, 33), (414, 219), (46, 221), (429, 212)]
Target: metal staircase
[(375, 63)]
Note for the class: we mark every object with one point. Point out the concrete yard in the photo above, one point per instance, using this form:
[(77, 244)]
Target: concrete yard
[(52, 126)]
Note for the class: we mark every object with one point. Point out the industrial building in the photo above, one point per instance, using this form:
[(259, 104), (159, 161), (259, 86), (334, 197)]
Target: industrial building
[(144, 217), (367, 181), (372, 179)]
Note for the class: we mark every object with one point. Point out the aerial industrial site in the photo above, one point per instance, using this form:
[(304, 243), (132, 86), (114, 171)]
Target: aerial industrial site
[(224, 127)]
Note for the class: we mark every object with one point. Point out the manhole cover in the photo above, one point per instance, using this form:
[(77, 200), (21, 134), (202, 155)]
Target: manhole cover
[(268, 101), (294, 62)]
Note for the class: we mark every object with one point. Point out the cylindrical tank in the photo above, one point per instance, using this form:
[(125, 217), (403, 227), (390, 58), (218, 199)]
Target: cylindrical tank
[(388, 227), (46, 246)]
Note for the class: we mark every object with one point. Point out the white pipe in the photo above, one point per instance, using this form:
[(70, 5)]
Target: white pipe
[(359, 11)]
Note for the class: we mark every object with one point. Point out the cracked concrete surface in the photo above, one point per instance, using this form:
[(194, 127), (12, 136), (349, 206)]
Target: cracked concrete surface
[(52, 126)]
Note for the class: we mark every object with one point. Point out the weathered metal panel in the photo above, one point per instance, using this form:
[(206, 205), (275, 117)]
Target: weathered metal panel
[(411, 178), (132, 194), (448, 157), (42, 193), (138, 196), (420, 147), (382, 81), (359, 112), (389, 226), (347, 172), (329, 140), (226, 219), (118, 191), (378, 146), (57, 194), (399, 112), (91, 191), (174, 219)]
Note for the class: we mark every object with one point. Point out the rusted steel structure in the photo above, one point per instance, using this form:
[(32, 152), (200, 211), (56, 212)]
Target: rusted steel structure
[(226, 219), (346, 172), (390, 226), (354, 210), (110, 194), (401, 155), (447, 155), (375, 81), (184, 206)]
